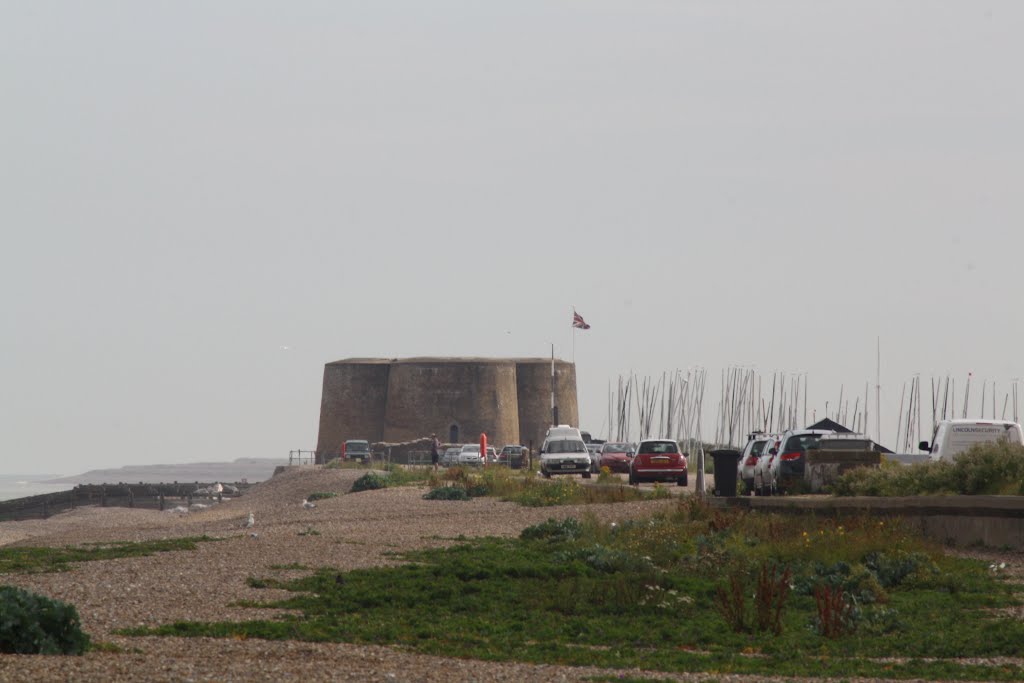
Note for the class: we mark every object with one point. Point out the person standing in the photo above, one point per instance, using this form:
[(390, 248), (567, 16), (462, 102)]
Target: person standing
[(435, 447)]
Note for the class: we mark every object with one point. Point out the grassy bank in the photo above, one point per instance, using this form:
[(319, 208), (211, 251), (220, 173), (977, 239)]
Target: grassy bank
[(691, 589), (30, 560)]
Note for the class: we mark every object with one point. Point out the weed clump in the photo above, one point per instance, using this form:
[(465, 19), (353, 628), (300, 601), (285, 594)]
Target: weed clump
[(447, 493), (369, 482), (35, 624), (553, 530), (320, 495), (985, 469)]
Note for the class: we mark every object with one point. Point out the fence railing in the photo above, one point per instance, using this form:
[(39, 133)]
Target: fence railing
[(301, 457)]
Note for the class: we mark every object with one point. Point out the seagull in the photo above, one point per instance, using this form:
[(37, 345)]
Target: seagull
[(248, 523), (308, 505), (253, 534)]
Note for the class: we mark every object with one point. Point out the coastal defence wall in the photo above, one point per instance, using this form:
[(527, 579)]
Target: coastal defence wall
[(398, 400)]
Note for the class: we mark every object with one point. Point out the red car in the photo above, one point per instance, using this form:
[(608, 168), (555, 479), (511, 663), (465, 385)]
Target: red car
[(616, 457), (658, 460)]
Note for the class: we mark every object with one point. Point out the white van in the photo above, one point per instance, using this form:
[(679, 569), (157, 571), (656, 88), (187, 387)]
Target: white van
[(953, 437), (564, 452)]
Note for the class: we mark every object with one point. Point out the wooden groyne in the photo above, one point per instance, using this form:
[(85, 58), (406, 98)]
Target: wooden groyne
[(147, 496)]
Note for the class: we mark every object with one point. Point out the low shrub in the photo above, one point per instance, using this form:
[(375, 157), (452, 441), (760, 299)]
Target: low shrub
[(369, 482), (553, 530), (320, 495), (447, 493), (985, 469), (35, 624)]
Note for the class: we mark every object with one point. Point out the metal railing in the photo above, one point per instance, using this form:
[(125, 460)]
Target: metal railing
[(301, 457)]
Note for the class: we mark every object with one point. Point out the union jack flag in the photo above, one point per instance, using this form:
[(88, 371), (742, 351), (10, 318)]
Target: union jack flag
[(578, 321)]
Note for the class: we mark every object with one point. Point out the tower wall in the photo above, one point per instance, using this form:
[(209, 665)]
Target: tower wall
[(397, 400), (352, 405)]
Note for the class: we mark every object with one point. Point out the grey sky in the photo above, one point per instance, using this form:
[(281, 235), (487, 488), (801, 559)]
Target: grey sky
[(186, 187)]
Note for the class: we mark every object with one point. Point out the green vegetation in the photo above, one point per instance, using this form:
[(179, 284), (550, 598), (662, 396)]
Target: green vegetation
[(526, 488), (986, 469), (447, 493), (320, 495), (369, 482), (393, 475), (29, 560), (34, 624), (339, 464), (815, 597)]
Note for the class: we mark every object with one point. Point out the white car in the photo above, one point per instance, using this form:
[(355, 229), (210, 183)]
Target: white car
[(762, 483), (748, 459), (564, 455), (594, 450), (469, 454)]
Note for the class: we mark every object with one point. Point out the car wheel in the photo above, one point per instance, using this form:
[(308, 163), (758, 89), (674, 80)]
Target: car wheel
[(586, 475), (632, 478), (547, 475)]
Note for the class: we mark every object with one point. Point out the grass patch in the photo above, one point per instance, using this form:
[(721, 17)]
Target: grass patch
[(985, 469), (527, 489), (31, 560), (643, 594), (392, 475), (320, 495)]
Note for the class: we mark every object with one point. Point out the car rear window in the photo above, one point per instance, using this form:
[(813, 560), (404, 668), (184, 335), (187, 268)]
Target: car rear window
[(658, 447), (615, 448), (757, 447), (801, 442)]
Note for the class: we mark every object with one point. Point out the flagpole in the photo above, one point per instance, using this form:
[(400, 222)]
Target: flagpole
[(573, 335)]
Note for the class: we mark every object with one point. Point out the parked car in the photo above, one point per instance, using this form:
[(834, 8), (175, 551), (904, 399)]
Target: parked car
[(357, 449), (616, 457), (748, 459), (513, 456), (594, 450), (469, 454), (953, 437), (787, 467), (658, 460), (762, 486), (564, 453), (450, 456)]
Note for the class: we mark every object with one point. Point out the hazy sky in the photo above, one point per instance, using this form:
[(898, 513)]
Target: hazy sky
[(187, 188)]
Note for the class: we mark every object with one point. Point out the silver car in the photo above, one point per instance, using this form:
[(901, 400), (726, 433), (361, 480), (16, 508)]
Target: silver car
[(450, 456), (469, 454)]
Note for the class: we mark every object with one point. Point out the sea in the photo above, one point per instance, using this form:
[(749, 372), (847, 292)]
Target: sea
[(22, 485)]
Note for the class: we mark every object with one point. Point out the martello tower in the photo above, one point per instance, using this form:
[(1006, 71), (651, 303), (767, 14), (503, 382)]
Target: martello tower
[(399, 400)]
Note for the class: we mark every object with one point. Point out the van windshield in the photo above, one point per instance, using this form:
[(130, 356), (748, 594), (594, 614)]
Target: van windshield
[(567, 446)]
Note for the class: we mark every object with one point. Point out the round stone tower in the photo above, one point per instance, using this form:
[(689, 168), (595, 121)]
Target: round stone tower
[(399, 400)]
